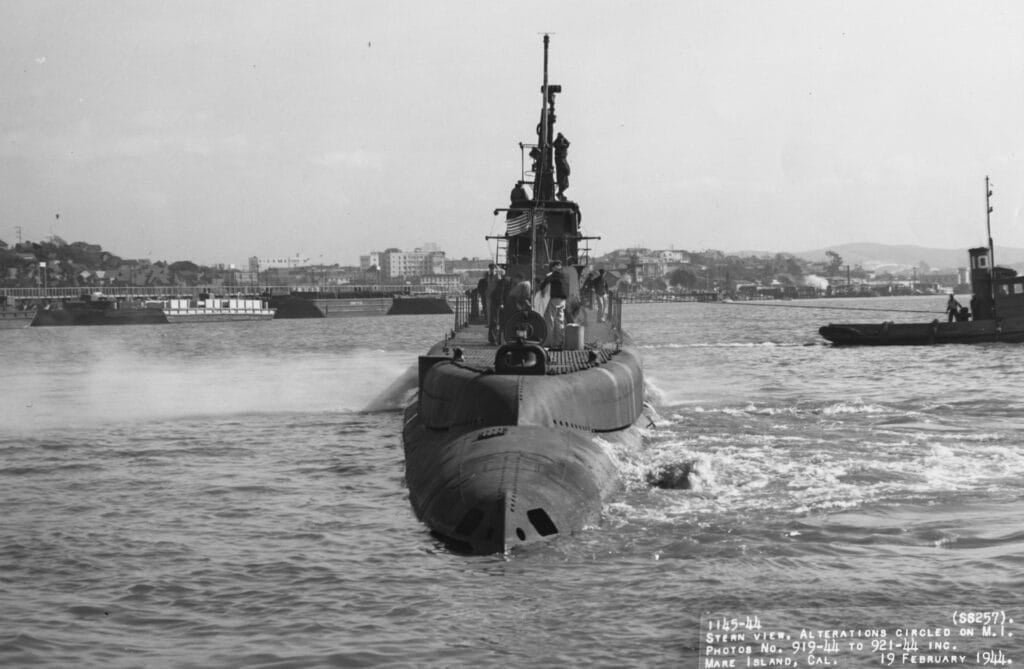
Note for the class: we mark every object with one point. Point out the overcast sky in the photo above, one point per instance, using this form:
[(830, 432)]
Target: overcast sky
[(214, 131)]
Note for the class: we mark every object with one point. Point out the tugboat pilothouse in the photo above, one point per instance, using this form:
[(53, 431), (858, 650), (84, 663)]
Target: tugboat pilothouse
[(510, 438)]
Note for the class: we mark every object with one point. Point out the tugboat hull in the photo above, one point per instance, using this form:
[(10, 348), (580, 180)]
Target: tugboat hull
[(923, 334)]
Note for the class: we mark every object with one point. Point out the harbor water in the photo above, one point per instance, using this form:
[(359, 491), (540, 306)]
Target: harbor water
[(231, 495)]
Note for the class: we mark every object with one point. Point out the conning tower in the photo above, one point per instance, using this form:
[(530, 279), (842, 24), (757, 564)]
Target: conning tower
[(543, 226)]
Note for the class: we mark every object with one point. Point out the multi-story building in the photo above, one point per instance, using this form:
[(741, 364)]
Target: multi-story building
[(370, 261), (673, 257), (262, 264), (396, 263), (446, 283)]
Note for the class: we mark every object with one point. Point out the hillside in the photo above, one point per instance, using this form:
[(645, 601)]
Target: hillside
[(870, 256)]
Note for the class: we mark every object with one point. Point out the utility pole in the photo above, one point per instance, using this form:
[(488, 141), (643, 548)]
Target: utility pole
[(991, 248)]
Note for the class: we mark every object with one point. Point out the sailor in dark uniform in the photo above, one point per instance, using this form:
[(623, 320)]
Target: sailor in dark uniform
[(518, 196), (952, 308), (561, 145), (554, 315)]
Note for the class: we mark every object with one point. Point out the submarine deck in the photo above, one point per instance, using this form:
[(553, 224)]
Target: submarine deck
[(601, 340)]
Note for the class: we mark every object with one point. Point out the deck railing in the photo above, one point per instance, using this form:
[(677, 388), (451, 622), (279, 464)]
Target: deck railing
[(461, 307)]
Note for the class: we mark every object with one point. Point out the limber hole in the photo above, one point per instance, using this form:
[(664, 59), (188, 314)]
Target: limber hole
[(541, 522)]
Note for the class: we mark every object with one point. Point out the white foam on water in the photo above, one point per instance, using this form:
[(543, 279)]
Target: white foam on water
[(968, 466), (122, 387), (653, 392), (780, 467), (398, 394)]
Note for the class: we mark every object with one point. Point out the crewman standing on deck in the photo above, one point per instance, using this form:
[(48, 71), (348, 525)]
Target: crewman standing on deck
[(600, 287), (492, 299), (952, 308), (554, 315), (518, 299)]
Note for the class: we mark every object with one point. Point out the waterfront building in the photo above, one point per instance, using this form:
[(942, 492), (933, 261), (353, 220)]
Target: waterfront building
[(445, 283), (396, 263), (370, 261), (289, 262)]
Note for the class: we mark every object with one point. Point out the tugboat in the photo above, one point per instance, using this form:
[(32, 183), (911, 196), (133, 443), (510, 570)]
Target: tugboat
[(996, 312), (512, 443)]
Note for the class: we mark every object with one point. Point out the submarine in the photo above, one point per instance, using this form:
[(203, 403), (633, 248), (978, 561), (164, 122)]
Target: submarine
[(511, 436)]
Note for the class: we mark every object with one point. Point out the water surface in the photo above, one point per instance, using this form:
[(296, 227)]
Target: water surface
[(232, 495)]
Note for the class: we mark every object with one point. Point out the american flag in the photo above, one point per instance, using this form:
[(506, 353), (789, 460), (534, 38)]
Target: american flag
[(521, 223)]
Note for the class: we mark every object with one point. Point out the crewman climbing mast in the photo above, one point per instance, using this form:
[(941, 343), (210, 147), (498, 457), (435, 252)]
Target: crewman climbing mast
[(562, 165)]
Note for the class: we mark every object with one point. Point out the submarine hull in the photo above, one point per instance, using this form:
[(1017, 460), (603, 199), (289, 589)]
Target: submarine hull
[(496, 488), (494, 461), (509, 439)]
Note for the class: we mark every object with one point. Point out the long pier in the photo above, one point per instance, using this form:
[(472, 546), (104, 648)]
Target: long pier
[(639, 298), (67, 292), (55, 293), (353, 300)]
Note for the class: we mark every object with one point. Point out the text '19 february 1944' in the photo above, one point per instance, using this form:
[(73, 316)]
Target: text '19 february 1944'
[(863, 637)]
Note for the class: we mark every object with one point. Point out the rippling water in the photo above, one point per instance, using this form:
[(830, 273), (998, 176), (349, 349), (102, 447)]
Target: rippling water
[(231, 495)]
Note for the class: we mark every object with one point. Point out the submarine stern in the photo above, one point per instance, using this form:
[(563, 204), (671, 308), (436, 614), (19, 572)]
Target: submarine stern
[(493, 489)]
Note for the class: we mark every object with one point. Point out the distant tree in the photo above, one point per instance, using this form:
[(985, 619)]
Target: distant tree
[(184, 266), (788, 264), (835, 262), (185, 272), (83, 254), (682, 277), (655, 283)]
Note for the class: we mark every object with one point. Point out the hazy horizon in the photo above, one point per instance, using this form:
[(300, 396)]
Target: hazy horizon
[(220, 131), (852, 251)]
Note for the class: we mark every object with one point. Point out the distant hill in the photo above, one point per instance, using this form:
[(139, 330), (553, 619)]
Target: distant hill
[(872, 256)]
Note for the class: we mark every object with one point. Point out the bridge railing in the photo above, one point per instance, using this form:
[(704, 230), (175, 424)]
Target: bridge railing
[(65, 292), (347, 290)]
